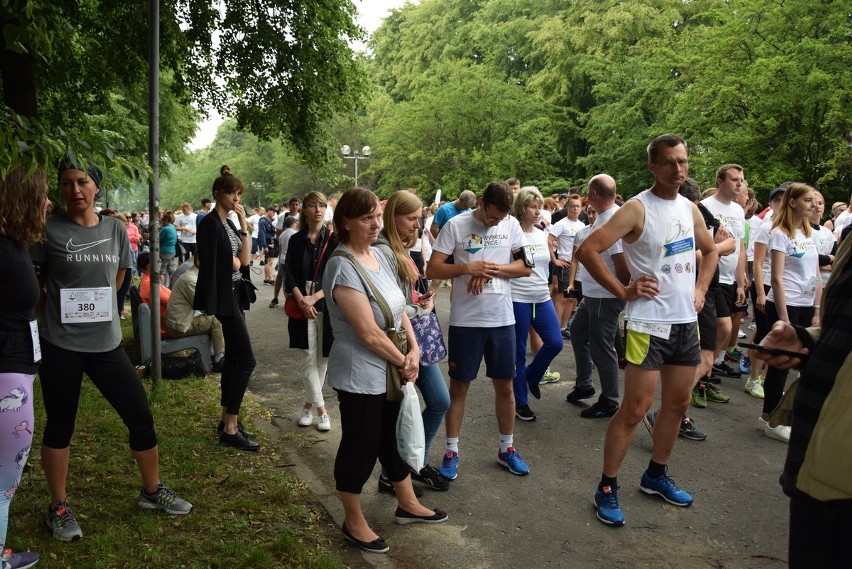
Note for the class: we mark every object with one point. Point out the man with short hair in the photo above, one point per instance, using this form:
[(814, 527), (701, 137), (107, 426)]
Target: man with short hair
[(732, 267), (594, 328), (446, 212), (181, 320), (266, 243), (329, 211), (487, 245), (660, 231), (205, 209), (186, 224), (294, 205), (561, 244), (514, 185)]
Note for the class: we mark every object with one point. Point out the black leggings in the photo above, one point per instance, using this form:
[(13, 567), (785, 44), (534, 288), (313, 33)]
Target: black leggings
[(776, 379), (368, 424), (239, 362), (61, 375)]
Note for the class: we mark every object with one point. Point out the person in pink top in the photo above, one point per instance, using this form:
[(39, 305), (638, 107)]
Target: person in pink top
[(134, 237)]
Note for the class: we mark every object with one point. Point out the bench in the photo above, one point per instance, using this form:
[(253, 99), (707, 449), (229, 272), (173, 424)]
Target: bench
[(141, 314)]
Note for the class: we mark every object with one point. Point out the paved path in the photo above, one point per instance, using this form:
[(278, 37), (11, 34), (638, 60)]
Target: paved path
[(546, 519)]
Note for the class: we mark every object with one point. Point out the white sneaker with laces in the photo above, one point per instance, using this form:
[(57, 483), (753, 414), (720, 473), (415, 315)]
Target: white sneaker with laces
[(754, 388), (307, 418), (324, 423), (779, 433)]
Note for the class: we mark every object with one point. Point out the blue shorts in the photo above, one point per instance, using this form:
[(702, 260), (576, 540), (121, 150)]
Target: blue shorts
[(466, 346)]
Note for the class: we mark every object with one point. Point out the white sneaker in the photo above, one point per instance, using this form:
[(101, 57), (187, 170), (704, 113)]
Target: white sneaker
[(324, 423), (779, 433), (754, 388), (307, 418), (741, 334)]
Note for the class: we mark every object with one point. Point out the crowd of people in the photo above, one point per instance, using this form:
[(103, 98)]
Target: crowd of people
[(658, 286)]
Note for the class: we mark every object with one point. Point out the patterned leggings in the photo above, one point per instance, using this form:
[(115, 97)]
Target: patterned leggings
[(16, 437)]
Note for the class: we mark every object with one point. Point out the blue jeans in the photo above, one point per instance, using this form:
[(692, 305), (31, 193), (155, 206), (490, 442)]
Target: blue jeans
[(542, 317), (435, 394), (593, 334)]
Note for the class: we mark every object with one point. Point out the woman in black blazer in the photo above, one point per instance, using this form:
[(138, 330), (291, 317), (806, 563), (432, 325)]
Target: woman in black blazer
[(223, 250)]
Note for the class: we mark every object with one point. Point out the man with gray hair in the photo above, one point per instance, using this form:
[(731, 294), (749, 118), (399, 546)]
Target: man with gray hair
[(595, 324), (446, 212)]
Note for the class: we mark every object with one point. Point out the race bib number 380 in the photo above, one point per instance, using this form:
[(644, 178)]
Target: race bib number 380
[(82, 305)]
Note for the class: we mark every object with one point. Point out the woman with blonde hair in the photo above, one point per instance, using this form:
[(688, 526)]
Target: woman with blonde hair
[(796, 284), (402, 216), (308, 252)]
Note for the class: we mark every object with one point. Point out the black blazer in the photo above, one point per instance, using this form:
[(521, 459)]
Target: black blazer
[(214, 293)]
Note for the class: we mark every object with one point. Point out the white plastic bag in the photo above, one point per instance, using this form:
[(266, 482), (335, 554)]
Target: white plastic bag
[(410, 438)]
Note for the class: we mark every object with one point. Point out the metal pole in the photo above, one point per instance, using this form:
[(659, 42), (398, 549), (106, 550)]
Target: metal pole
[(356, 168), (154, 184)]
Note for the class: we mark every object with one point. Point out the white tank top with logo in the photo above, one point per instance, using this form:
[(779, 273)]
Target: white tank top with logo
[(666, 251)]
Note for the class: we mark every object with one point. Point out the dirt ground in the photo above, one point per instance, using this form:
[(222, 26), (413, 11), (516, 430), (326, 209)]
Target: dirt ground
[(546, 519)]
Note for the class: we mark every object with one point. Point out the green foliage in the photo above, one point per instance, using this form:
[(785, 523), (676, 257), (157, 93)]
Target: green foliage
[(759, 82)]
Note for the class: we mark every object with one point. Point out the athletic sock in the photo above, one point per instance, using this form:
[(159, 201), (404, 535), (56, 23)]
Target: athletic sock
[(655, 469), (720, 357), (505, 442), (453, 444), (607, 481)]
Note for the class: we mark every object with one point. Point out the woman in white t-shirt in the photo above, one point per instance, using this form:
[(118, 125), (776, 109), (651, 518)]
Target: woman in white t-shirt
[(532, 306), (796, 282), (824, 238)]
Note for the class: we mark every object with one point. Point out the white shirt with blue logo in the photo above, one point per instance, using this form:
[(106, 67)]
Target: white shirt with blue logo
[(468, 240)]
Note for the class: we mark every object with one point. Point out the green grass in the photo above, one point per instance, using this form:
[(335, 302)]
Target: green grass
[(248, 512)]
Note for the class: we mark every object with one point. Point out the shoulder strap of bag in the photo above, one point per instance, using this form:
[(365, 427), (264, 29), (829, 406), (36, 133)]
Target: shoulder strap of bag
[(322, 253), (380, 300)]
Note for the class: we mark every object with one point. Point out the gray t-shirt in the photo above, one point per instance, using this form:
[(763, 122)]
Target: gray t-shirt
[(78, 264), (353, 367)]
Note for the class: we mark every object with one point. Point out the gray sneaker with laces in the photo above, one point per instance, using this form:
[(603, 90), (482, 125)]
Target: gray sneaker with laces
[(60, 521), (164, 499)]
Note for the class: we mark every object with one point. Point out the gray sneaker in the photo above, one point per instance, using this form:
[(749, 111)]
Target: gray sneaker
[(164, 499), (60, 521)]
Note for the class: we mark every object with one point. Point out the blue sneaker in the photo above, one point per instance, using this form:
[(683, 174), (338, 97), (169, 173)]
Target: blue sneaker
[(449, 468), (665, 487), (513, 461), (745, 365), (606, 503)]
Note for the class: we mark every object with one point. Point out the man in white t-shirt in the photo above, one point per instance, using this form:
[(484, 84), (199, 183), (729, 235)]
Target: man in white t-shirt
[(660, 232), (594, 328), (253, 220), (186, 228), (487, 245), (733, 282), (561, 241)]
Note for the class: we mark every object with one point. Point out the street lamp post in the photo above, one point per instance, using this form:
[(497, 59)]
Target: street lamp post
[(349, 154)]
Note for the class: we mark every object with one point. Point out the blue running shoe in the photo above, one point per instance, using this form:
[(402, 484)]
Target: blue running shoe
[(449, 468), (745, 365), (513, 461), (606, 503), (665, 487)]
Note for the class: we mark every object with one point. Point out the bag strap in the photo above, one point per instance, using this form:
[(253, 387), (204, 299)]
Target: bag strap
[(380, 300)]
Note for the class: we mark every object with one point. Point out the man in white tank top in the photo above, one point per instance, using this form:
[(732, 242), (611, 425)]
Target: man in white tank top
[(660, 231)]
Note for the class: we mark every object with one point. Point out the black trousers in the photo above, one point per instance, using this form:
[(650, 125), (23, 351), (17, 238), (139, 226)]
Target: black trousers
[(239, 362), (61, 376), (820, 533), (368, 424), (776, 379)]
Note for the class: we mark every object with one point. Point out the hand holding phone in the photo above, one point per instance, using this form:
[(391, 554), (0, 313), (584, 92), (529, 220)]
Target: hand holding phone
[(774, 351)]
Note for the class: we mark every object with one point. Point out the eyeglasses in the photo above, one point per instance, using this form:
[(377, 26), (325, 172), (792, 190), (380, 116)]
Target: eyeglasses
[(492, 219), (315, 206), (682, 163)]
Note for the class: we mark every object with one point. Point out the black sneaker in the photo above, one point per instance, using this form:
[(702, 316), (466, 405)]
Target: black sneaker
[(566, 334), (431, 478), (599, 410), (524, 413), (535, 390), (220, 428), (386, 487), (725, 370), (688, 430), (239, 441), (578, 394), (273, 303)]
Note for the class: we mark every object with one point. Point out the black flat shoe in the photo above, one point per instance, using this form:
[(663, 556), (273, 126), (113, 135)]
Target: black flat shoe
[(220, 428), (403, 517), (375, 546), (239, 441)]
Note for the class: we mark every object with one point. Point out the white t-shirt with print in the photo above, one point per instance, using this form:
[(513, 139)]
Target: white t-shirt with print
[(801, 270), (565, 231), (468, 240), (824, 239), (534, 288)]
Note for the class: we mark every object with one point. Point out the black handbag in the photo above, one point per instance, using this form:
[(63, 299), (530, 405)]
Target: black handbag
[(176, 367)]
